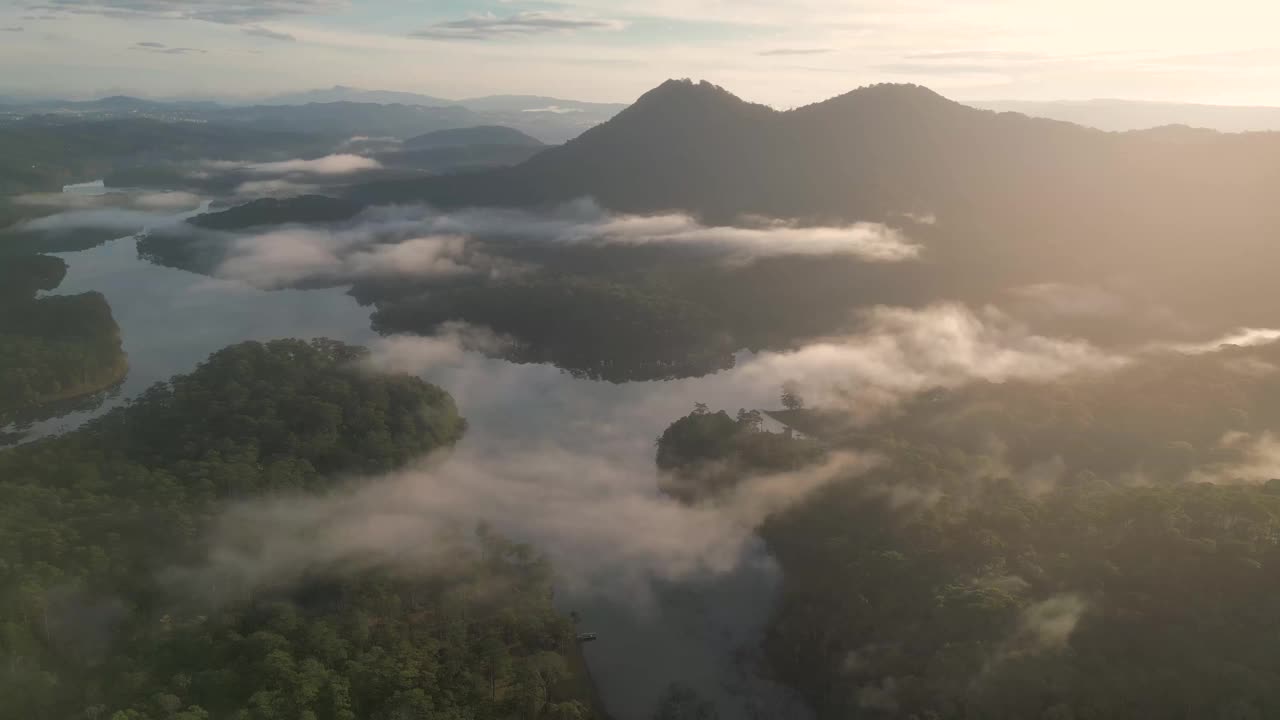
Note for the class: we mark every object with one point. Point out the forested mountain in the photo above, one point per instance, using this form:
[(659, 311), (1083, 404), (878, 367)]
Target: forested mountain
[(467, 148), (93, 520)]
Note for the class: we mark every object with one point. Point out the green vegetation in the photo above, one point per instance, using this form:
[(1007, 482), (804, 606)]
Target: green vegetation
[(1032, 551), (643, 313), (91, 522), (270, 211), (705, 453), (53, 348), (22, 277), (591, 328), (1160, 419), (1097, 600)]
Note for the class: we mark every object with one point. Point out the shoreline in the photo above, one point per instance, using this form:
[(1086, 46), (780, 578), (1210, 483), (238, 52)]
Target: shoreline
[(115, 375)]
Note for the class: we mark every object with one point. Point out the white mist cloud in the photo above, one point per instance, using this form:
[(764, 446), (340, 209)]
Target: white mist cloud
[(623, 419), (273, 188), (602, 524), (1253, 459), (293, 255), (1048, 625), (1245, 337), (902, 352), (365, 144), (449, 346), (1072, 300), (585, 222), (338, 164), (420, 257), (328, 165), (869, 241), (420, 242)]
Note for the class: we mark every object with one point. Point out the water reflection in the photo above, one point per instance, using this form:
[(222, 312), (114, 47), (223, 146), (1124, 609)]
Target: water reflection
[(171, 320)]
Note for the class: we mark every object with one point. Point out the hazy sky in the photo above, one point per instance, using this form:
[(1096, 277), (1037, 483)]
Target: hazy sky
[(783, 52)]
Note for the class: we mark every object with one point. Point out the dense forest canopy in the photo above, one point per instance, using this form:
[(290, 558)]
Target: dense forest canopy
[(1073, 550), (92, 520)]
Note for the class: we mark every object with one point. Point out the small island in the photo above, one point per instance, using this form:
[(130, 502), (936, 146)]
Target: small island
[(52, 348)]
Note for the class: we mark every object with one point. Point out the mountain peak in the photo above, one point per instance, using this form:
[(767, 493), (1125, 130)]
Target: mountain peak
[(891, 102), (899, 94), (686, 91)]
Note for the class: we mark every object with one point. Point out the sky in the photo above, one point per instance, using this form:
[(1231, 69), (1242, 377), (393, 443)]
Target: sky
[(783, 53)]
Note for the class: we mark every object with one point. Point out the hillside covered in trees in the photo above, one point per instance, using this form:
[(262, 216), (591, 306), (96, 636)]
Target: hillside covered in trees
[(1093, 548), (92, 524)]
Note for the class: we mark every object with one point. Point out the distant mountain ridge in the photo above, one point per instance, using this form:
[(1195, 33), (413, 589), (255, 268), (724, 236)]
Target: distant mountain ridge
[(341, 111), (1125, 115), (342, 93)]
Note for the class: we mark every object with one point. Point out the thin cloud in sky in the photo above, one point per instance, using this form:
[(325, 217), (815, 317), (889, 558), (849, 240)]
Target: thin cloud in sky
[(227, 12), (156, 47), (268, 33), (490, 26), (783, 52), (1032, 50)]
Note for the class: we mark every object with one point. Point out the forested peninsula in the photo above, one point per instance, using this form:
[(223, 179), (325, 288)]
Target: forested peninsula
[(52, 348), (90, 523)]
